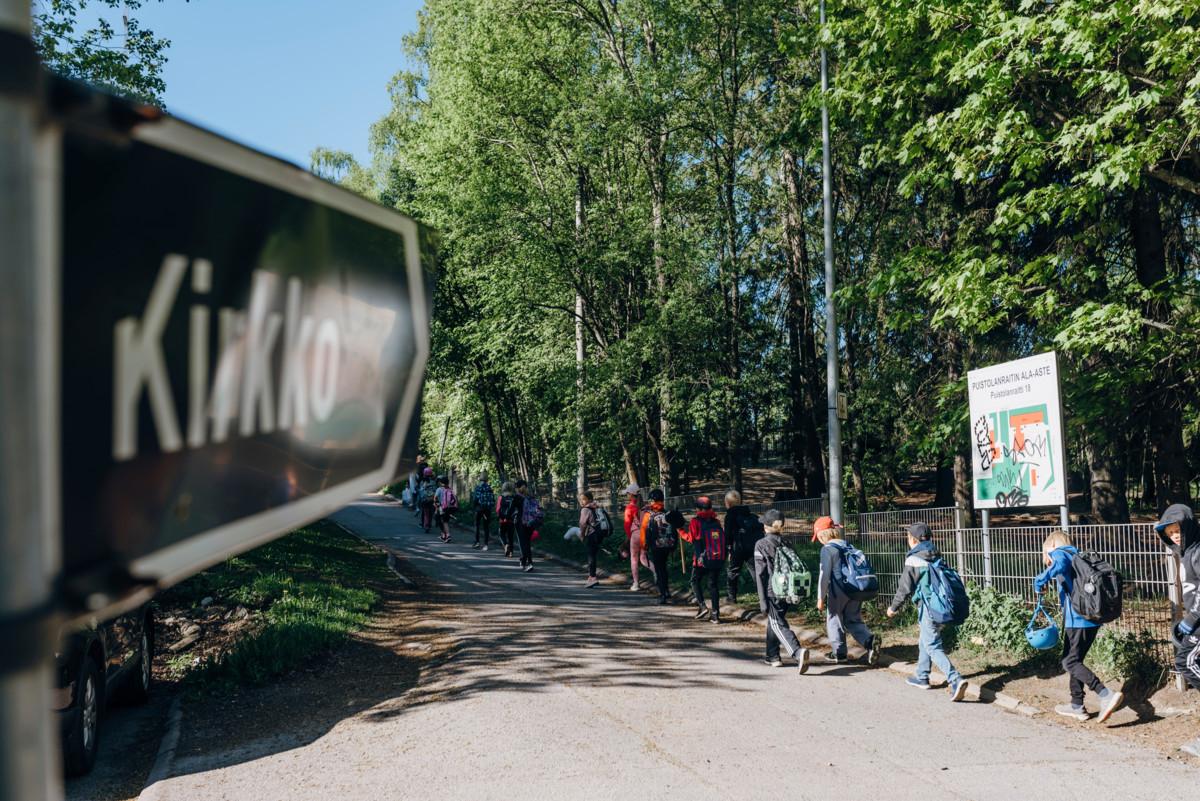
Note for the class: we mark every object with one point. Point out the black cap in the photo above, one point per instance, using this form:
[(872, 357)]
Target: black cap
[(920, 531), (657, 495)]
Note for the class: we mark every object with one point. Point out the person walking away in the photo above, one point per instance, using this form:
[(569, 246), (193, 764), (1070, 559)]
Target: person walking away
[(507, 509), (425, 498), (638, 554), (709, 553), (528, 512), (589, 533), (658, 532), (446, 504), (1178, 530), (1079, 633), (921, 554), (484, 499), (779, 633), (843, 614), (633, 516), (414, 484), (744, 530)]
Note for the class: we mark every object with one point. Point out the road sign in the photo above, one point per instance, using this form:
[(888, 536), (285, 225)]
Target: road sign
[(242, 348), (843, 406), (1017, 454)]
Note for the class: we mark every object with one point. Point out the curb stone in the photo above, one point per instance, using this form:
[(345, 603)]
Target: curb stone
[(806, 636), (161, 770)]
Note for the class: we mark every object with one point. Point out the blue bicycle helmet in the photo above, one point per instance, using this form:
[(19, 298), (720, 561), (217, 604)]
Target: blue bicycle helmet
[(1045, 638)]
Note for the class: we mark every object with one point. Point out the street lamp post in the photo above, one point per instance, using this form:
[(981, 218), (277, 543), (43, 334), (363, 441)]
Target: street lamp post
[(831, 330)]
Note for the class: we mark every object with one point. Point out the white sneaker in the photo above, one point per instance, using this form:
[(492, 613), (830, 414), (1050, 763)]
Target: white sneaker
[(802, 660), (1192, 748), (634, 587), (485, 547), (1071, 711), (1109, 704)]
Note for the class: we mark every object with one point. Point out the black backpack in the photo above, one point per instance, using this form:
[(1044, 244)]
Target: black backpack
[(749, 531), (660, 533), (504, 509), (1097, 588), (603, 523)]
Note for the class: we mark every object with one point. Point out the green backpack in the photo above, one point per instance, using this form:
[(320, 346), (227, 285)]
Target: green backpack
[(790, 580)]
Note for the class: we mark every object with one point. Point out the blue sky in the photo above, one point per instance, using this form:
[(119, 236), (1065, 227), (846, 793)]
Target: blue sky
[(283, 76)]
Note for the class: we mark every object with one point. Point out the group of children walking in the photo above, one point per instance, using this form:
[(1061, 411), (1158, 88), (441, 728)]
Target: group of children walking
[(721, 548)]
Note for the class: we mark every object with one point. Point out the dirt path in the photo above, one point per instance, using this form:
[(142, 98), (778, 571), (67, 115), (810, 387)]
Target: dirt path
[(531, 686)]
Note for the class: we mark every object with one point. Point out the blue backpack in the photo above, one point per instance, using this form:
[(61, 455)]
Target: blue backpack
[(942, 591), (854, 575)]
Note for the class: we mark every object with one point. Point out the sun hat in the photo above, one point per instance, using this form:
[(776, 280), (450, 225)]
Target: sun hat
[(632, 489)]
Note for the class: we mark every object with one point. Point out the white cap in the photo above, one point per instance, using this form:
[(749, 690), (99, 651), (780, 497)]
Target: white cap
[(632, 489)]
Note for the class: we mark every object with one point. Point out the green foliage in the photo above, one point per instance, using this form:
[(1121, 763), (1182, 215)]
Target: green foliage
[(1126, 655), (308, 587), (997, 622), (123, 57)]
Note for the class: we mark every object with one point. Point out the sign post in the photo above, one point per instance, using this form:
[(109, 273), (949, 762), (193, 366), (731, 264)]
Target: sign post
[(29, 767), (1017, 454)]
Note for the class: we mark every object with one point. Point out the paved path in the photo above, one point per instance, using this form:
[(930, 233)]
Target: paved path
[(555, 691)]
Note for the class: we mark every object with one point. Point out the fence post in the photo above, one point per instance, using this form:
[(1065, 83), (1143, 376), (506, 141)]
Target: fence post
[(1175, 595), (1064, 515), (986, 514), (960, 540)]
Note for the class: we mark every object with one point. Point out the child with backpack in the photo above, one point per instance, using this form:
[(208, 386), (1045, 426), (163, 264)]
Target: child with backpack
[(657, 533), (527, 517), (709, 553), (769, 553), (507, 509), (922, 557), (484, 500), (1058, 554), (594, 526), (744, 529), (634, 536), (426, 500), (446, 503), (843, 597), (1178, 530)]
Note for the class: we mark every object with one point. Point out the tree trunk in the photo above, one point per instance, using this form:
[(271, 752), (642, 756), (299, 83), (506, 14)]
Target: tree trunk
[(1106, 482), (493, 441), (964, 495), (1166, 418), (631, 471), (581, 475), (944, 484)]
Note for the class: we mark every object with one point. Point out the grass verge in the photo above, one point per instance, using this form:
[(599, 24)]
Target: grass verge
[(304, 594)]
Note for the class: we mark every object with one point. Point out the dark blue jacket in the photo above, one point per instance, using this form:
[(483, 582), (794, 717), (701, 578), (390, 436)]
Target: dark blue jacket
[(1060, 569)]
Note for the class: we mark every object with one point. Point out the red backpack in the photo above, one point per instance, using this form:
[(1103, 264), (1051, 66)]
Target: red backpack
[(711, 545)]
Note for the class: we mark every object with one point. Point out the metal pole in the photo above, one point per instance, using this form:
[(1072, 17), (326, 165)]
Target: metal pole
[(1064, 516), (831, 330), (986, 514), (29, 533)]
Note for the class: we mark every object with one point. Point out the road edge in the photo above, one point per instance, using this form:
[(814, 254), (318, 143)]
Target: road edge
[(165, 760)]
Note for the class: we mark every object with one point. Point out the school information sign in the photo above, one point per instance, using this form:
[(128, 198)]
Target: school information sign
[(1017, 455)]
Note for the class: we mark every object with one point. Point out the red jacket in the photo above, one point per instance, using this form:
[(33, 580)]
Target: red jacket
[(631, 518)]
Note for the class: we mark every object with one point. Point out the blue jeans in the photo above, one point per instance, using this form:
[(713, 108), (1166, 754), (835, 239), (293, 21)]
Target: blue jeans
[(931, 650)]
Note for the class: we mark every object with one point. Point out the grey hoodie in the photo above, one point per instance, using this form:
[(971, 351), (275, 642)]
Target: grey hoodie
[(1189, 557)]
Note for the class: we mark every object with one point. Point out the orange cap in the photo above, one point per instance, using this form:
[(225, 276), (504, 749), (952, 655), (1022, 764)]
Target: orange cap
[(822, 524)]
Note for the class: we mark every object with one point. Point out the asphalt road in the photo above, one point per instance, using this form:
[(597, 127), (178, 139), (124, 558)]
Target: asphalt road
[(555, 691)]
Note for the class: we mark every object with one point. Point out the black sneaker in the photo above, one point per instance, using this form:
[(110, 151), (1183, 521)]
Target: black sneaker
[(775, 663), (873, 650), (714, 618), (476, 546), (701, 613), (833, 658)]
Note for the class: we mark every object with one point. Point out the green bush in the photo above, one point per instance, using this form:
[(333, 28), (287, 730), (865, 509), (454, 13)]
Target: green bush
[(997, 622), (1126, 655)]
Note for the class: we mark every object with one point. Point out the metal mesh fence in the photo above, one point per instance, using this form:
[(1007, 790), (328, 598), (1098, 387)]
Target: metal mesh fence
[(1008, 559), (938, 518)]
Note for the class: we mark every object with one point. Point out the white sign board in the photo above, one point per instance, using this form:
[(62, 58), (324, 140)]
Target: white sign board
[(1017, 455)]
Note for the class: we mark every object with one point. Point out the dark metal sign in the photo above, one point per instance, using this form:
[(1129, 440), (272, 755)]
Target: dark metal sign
[(242, 350)]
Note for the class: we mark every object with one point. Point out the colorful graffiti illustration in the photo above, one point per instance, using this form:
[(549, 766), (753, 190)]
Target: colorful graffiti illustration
[(1016, 444), (1016, 455)]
